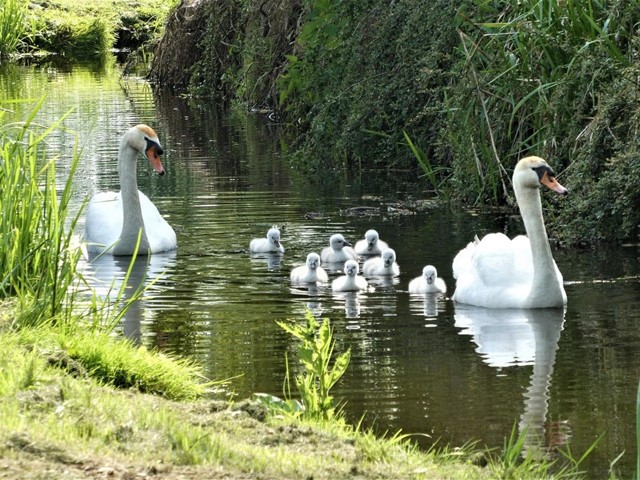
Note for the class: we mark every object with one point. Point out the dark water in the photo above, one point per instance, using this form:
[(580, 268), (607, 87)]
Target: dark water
[(418, 364)]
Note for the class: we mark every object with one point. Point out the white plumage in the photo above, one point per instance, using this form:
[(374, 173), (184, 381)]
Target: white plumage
[(371, 245), (311, 272), (428, 282), (269, 244), (338, 251), (382, 266), (114, 220), (497, 272), (350, 281)]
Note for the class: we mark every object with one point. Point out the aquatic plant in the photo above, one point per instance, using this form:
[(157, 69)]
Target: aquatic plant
[(315, 352), (37, 257)]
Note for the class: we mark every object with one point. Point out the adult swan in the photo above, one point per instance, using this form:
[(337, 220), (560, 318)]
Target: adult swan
[(496, 272), (114, 220)]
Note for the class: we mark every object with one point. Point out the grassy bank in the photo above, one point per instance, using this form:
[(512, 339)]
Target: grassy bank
[(64, 422), (74, 29), (62, 419)]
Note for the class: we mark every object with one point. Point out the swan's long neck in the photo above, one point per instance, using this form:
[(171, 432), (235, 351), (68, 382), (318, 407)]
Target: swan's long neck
[(132, 221), (545, 289)]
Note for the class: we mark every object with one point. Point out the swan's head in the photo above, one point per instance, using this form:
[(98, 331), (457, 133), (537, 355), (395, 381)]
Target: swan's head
[(313, 261), (145, 140), (274, 236), (351, 268), (388, 257), (430, 274), (531, 172), (337, 241), (371, 236)]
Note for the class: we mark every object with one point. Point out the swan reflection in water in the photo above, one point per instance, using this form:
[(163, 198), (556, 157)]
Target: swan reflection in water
[(105, 275), (313, 295), (513, 337), (351, 303), (428, 305), (273, 260)]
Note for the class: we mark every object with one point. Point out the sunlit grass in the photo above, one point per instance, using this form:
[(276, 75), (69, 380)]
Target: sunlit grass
[(14, 26), (37, 257)]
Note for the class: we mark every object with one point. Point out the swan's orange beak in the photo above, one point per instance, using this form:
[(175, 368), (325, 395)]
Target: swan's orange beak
[(154, 159), (550, 182)]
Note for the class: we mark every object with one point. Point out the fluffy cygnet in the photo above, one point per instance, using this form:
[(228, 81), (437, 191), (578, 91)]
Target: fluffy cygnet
[(312, 272), (350, 281), (270, 244), (428, 282), (338, 251), (371, 245), (383, 266)]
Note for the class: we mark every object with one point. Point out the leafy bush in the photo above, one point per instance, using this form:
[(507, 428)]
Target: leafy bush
[(460, 90)]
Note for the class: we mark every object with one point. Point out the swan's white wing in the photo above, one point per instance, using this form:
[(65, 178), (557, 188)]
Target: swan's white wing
[(103, 221), (495, 272), (160, 234), (494, 260)]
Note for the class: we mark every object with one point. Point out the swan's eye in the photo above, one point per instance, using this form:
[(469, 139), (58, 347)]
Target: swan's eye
[(152, 144), (542, 169)]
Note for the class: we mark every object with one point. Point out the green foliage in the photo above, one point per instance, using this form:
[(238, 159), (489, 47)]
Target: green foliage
[(430, 171), (363, 73), (473, 84), (14, 26), (37, 259), (532, 73), (315, 352), (70, 35), (244, 49), (89, 30)]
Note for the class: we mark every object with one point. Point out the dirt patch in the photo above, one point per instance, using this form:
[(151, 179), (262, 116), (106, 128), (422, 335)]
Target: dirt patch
[(179, 49)]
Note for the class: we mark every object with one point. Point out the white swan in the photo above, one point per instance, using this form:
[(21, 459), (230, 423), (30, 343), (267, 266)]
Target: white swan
[(312, 272), (350, 281), (338, 251), (383, 266), (269, 244), (371, 245), (500, 273), (428, 282), (114, 220)]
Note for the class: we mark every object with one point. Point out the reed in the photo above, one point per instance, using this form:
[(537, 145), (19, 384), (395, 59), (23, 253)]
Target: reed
[(37, 257), (14, 26), (532, 69)]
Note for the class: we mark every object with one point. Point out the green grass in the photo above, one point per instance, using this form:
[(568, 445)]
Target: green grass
[(37, 260), (14, 26), (89, 30)]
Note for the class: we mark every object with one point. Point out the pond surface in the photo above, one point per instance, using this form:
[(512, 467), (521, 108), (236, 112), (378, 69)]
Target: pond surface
[(420, 364)]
